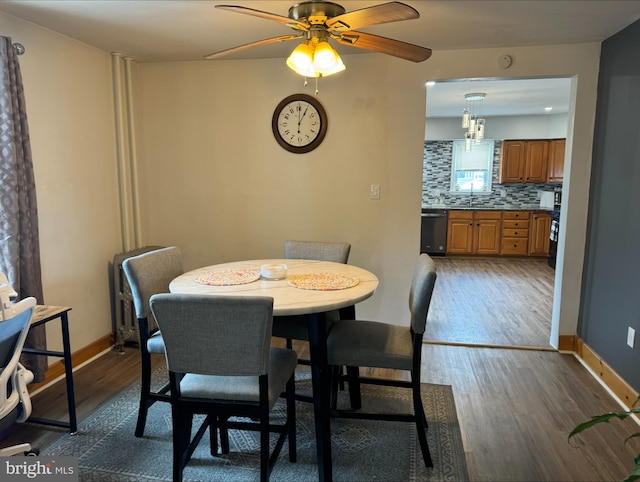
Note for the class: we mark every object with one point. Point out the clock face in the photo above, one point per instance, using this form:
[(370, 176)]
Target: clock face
[(299, 123)]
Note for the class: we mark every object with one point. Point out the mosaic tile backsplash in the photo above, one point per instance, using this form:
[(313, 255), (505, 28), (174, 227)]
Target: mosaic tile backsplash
[(436, 183)]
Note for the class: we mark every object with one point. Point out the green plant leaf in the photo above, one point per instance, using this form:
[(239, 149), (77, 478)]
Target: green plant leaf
[(637, 434), (635, 473), (603, 418)]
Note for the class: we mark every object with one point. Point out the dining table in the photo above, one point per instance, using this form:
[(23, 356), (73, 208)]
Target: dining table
[(310, 288)]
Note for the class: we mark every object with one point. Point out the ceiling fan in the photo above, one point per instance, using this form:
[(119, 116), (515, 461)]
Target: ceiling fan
[(315, 22)]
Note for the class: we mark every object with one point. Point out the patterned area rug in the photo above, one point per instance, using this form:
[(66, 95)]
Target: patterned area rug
[(362, 449)]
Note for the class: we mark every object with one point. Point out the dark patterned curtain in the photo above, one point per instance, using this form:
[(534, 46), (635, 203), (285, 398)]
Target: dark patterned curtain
[(19, 240)]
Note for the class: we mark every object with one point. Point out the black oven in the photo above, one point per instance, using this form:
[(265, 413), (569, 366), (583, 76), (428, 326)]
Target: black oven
[(553, 237)]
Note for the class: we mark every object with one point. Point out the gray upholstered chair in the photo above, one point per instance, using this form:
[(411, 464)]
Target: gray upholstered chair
[(357, 343), (221, 365), (294, 327), (150, 273)]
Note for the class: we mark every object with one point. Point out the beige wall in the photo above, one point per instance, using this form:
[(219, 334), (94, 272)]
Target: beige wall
[(217, 184), (70, 113), (214, 182)]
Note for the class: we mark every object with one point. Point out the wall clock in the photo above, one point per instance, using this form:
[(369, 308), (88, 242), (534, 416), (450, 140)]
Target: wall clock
[(299, 123)]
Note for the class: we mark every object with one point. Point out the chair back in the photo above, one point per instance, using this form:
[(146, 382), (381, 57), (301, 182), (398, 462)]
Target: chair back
[(422, 284), (318, 250), (215, 335), (150, 273), (14, 327)]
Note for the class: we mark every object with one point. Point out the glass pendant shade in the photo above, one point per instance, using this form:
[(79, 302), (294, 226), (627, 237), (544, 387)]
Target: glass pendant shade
[(301, 60), (467, 141), (465, 119), (479, 130)]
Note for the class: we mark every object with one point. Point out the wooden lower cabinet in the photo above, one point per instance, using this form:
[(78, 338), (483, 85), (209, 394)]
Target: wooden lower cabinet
[(474, 232), (515, 233), (540, 230), (504, 233)]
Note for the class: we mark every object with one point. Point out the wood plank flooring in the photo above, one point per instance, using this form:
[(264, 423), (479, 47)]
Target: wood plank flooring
[(515, 407), (492, 301)]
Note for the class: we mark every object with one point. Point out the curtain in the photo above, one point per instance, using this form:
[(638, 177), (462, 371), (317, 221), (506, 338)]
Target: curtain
[(19, 239)]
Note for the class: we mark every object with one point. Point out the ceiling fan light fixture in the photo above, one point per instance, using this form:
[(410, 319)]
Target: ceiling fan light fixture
[(315, 59)]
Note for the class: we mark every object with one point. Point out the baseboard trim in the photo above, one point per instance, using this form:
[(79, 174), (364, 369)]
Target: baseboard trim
[(56, 370), (567, 343), (605, 374)]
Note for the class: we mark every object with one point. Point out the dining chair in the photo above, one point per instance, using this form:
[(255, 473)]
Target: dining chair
[(150, 273), (295, 327), (372, 344), (221, 365)]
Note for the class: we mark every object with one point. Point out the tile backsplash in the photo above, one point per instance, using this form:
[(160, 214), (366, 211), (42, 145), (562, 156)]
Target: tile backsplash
[(436, 182)]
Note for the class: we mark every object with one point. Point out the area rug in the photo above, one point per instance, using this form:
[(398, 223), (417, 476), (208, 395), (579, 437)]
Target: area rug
[(363, 450)]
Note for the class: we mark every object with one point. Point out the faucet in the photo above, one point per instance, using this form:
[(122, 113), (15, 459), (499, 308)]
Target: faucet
[(471, 196)]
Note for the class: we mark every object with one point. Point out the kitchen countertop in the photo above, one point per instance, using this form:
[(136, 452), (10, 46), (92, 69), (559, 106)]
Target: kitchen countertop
[(507, 207)]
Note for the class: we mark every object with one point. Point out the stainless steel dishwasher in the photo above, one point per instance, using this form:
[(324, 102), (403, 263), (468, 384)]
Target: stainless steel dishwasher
[(433, 232)]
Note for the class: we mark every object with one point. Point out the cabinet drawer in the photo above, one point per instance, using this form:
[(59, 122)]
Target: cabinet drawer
[(515, 246), (515, 224), (515, 233), (488, 215), (516, 215), (460, 215)]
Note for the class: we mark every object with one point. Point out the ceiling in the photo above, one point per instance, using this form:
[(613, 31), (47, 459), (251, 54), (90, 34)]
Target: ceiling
[(176, 30)]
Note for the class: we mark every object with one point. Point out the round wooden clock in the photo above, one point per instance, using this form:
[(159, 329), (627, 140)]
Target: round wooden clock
[(299, 123)]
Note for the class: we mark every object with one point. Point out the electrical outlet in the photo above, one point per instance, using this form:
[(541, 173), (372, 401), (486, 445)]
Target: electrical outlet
[(631, 337), (374, 191)]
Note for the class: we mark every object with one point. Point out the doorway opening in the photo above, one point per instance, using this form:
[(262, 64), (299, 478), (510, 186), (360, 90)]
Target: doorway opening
[(494, 301)]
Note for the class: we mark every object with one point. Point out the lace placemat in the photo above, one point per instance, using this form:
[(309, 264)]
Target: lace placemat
[(322, 281), (228, 277)]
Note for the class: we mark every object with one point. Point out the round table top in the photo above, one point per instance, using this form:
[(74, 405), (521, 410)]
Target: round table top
[(288, 300)]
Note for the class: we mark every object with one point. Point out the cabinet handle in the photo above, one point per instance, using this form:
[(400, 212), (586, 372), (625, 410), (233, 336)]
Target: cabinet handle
[(516, 233)]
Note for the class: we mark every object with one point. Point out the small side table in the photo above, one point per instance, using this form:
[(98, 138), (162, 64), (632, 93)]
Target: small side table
[(44, 314)]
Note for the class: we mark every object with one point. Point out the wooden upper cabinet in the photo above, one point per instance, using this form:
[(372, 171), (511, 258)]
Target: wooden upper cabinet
[(524, 161), (512, 161), (556, 160), (537, 159)]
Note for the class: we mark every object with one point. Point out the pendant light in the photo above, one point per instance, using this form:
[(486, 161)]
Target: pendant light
[(472, 119)]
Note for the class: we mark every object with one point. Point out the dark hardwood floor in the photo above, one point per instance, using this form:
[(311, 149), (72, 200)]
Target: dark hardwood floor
[(515, 407)]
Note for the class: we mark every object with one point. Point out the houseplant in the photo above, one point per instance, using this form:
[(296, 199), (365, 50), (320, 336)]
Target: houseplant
[(605, 418)]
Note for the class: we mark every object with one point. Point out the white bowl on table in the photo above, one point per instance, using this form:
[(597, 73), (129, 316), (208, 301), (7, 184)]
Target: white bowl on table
[(273, 271)]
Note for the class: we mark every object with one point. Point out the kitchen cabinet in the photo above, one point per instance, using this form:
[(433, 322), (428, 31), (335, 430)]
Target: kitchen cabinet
[(556, 160), (539, 234), (515, 233), (524, 161), (474, 232)]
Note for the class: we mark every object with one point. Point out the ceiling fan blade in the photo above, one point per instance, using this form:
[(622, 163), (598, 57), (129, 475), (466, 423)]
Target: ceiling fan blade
[(384, 45), (258, 43), (295, 24), (383, 13)]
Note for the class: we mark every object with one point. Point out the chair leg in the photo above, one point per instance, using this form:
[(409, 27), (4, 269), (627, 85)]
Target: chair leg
[(264, 449), (224, 439), (353, 375), (145, 389), (291, 420), (421, 425), (182, 425)]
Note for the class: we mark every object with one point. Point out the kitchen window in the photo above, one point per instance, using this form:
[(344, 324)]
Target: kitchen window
[(471, 170)]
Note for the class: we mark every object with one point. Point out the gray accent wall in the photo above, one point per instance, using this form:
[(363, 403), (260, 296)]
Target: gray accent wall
[(611, 278)]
